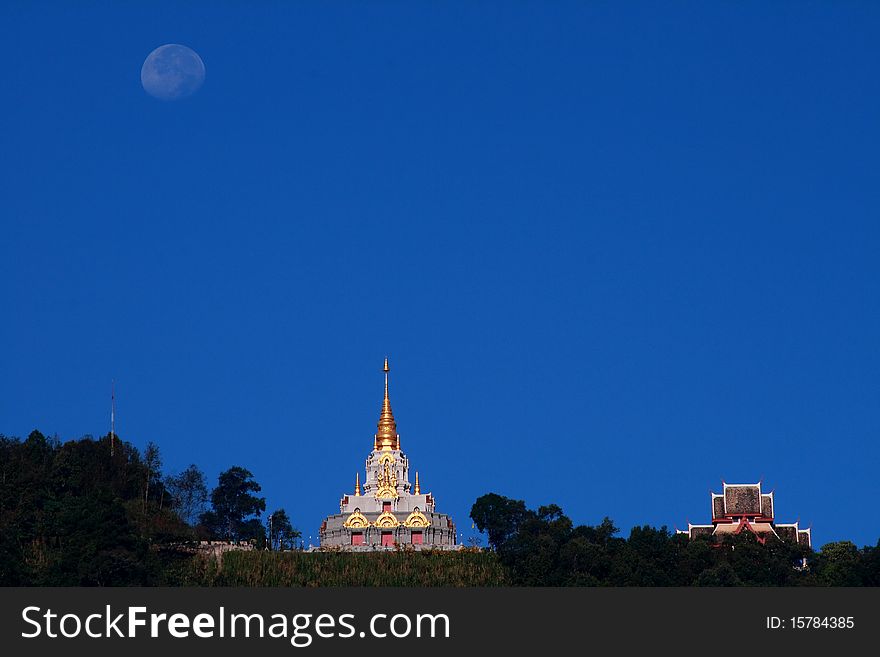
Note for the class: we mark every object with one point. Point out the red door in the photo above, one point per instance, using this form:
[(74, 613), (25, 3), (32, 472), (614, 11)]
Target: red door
[(357, 538), (386, 506), (387, 538), (417, 538)]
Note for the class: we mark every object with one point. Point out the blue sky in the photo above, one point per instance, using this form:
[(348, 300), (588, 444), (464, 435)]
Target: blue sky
[(616, 253)]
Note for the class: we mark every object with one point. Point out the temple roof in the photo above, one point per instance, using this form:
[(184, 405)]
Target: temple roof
[(742, 499), (745, 507)]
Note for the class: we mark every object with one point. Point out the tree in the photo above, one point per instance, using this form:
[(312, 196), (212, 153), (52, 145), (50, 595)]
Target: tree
[(500, 517), (234, 506), (152, 469), (71, 515), (281, 532), (871, 565), (721, 575), (771, 562), (839, 564), (189, 493), (254, 531)]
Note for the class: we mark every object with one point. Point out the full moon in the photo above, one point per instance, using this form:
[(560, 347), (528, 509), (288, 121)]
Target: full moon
[(172, 71)]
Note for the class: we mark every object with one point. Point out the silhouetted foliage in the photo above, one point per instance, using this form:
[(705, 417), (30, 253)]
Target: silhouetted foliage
[(843, 564), (543, 548), (235, 510), (189, 493), (282, 535), (500, 517), (73, 514)]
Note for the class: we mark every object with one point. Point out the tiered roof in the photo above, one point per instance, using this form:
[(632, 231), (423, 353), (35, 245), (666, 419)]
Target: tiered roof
[(744, 507)]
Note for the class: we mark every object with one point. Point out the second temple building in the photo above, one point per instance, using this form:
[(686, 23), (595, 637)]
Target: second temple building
[(745, 507)]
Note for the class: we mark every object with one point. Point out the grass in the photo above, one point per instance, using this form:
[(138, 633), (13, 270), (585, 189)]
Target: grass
[(400, 568)]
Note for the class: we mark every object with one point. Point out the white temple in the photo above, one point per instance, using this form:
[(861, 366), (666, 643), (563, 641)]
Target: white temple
[(389, 511)]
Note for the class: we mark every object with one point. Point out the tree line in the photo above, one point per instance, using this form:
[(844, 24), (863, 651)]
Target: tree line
[(544, 548), (74, 513), (79, 513)]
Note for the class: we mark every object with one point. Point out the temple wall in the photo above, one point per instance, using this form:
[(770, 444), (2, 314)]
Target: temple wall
[(404, 504), (437, 534)]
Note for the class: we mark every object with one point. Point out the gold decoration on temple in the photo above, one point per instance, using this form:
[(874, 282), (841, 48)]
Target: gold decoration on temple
[(356, 520), (357, 484), (387, 457), (418, 489), (386, 437), (386, 480), (416, 519), (386, 494), (386, 520)]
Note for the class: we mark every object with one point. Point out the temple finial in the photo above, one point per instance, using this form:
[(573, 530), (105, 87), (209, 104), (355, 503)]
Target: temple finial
[(357, 484), (418, 489), (386, 437)]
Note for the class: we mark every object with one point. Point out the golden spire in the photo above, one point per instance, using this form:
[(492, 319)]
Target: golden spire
[(357, 484), (418, 490), (386, 437)]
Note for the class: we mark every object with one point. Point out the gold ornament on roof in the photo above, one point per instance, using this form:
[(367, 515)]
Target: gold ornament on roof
[(386, 494), (416, 519), (357, 484), (386, 520), (356, 520), (386, 436), (418, 488)]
